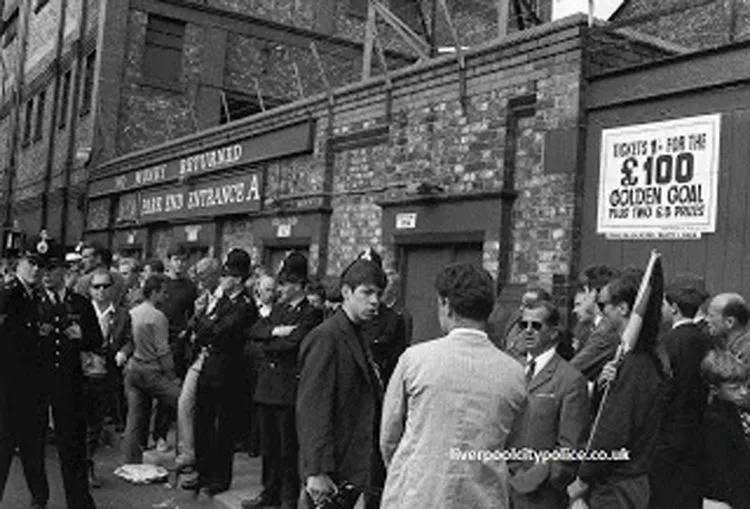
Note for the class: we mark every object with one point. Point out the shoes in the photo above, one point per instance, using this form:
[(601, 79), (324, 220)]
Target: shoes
[(162, 445), (215, 489), (192, 484), (262, 500), (94, 481), (38, 505)]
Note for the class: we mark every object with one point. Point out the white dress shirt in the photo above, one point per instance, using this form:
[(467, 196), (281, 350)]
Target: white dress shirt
[(541, 360)]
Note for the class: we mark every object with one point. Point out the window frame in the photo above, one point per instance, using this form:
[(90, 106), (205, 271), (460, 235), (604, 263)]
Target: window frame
[(12, 21), (41, 105), (87, 90), (62, 114), (164, 50)]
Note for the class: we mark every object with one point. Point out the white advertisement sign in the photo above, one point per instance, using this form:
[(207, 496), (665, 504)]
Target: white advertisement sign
[(603, 9), (659, 180)]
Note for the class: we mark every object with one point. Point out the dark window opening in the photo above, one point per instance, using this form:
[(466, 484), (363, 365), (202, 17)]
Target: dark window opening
[(88, 84), (407, 11), (40, 5), (358, 8), (235, 106), (162, 57), (27, 122), (62, 118), (10, 28), (39, 124)]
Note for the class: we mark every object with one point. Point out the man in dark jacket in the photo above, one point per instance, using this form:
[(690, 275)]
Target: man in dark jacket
[(279, 337), (675, 475), (340, 392), (68, 327), (23, 413), (222, 333), (631, 413)]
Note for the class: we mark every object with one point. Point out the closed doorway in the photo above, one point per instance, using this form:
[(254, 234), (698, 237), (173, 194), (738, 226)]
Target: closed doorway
[(420, 265)]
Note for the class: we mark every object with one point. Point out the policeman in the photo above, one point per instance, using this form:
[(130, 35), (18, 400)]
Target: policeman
[(23, 412), (279, 337), (67, 327), (222, 332)]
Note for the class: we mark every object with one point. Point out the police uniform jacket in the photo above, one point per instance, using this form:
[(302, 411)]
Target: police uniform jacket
[(20, 354), (386, 336), (223, 331), (277, 372), (61, 354)]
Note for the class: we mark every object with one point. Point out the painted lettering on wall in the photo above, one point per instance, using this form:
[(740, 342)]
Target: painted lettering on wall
[(211, 159)]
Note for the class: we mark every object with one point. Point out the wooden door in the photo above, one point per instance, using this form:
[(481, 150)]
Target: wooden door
[(421, 266)]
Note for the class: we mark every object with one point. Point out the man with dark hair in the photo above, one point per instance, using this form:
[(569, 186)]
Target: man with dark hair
[(340, 392), (556, 415), (279, 337), (601, 345), (727, 319), (95, 255), (150, 371), (631, 413), (675, 474), (461, 395)]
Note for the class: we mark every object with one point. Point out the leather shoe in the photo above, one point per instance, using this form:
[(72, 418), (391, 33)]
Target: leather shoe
[(215, 489), (193, 484), (262, 500)]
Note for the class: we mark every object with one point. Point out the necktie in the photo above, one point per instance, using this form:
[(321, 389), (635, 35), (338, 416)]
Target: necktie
[(531, 366)]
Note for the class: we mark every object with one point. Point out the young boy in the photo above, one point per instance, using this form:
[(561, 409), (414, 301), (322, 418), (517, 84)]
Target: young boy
[(727, 455)]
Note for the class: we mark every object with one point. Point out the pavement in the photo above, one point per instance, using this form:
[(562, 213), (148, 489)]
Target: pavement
[(115, 493)]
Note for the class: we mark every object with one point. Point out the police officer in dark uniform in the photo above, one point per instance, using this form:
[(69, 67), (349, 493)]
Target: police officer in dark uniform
[(279, 337), (222, 331), (23, 412), (67, 327)]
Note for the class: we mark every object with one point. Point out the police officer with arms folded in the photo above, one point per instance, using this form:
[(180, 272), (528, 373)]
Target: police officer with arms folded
[(279, 338), (69, 334), (23, 414)]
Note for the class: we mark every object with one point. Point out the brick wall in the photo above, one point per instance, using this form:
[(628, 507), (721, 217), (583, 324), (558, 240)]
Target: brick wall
[(693, 24)]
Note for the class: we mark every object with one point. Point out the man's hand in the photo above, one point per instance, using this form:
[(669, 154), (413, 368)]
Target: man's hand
[(283, 331), (319, 487), (579, 503), (609, 373), (576, 490), (74, 331), (120, 359)]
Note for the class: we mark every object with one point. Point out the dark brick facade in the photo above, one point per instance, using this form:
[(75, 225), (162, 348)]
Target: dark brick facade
[(522, 95)]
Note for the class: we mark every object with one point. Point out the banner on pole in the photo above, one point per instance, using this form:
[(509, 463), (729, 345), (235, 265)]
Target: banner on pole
[(659, 180)]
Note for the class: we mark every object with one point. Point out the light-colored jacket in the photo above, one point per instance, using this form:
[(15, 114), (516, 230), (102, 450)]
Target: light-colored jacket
[(449, 400)]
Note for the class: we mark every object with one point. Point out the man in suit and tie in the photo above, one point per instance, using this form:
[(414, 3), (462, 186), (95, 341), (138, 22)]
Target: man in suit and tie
[(279, 337), (106, 387), (675, 474), (340, 392), (556, 415)]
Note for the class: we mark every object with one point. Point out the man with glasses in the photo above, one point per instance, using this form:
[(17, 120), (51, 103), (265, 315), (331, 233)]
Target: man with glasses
[(556, 414), (70, 344), (514, 343), (106, 393), (23, 413), (601, 345)]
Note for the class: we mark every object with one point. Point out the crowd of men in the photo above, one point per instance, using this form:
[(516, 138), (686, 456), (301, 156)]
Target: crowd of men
[(509, 408)]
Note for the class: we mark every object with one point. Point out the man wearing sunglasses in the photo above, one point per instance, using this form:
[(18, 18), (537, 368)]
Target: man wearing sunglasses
[(23, 415), (556, 414)]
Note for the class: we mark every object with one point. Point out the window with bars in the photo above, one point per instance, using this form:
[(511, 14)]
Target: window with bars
[(62, 115), (89, 74), (162, 57), (235, 105), (39, 123)]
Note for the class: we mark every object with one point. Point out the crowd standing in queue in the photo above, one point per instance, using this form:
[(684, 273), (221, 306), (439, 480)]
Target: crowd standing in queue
[(510, 408)]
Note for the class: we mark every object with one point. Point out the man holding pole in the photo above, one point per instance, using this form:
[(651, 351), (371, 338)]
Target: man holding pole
[(631, 407)]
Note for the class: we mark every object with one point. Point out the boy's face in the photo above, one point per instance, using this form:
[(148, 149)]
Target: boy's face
[(733, 392)]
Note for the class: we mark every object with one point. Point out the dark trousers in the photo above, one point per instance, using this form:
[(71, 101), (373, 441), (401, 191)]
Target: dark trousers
[(23, 422), (278, 435), (68, 411), (216, 428), (143, 383), (95, 403), (630, 493), (116, 401), (675, 482)]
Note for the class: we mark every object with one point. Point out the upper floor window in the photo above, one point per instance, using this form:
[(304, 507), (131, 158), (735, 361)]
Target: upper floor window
[(28, 122), (10, 27), (40, 5), (39, 124), (62, 115), (89, 74), (162, 57), (358, 7)]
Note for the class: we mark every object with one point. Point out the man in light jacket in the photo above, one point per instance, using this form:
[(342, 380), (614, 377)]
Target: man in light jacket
[(450, 406)]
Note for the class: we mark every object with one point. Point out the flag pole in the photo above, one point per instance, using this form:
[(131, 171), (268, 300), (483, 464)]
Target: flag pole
[(627, 341)]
